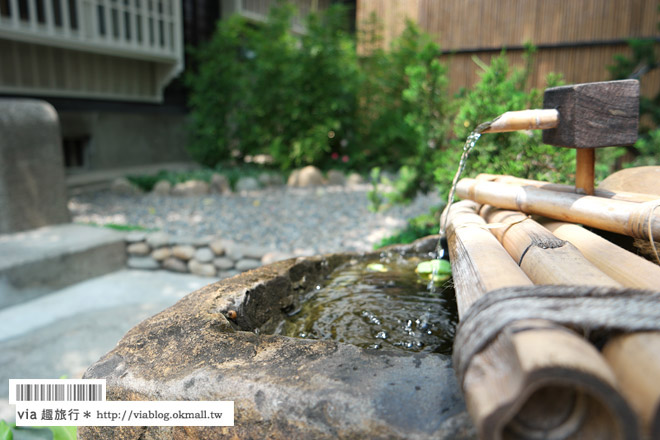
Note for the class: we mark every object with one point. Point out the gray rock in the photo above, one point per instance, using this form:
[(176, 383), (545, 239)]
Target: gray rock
[(247, 184), (162, 188), (158, 239), (121, 185), (135, 237), (145, 263), (140, 249), (223, 263), (270, 179), (201, 269), (355, 179), (293, 178), (175, 265), (33, 188), (220, 184), (161, 254), (183, 252), (273, 256), (247, 264), (310, 176), (191, 188), (218, 247), (228, 273), (204, 255), (336, 178), (190, 240)]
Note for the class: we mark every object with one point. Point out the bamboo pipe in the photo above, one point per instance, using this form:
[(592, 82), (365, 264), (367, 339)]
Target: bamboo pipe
[(634, 357), (538, 119), (628, 218), (607, 194), (536, 379), (625, 267)]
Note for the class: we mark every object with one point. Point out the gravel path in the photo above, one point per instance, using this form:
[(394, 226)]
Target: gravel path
[(318, 220)]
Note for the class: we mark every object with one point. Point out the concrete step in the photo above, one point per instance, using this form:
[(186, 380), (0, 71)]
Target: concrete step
[(36, 262)]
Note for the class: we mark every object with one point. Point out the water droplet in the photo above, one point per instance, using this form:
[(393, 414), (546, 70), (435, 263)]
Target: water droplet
[(318, 287), (381, 335)]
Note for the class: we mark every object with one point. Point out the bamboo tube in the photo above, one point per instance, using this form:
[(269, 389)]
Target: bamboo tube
[(625, 267), (539, 119), (625, 353), (536, 379), (635, 359), (604, 193), (633, 219)]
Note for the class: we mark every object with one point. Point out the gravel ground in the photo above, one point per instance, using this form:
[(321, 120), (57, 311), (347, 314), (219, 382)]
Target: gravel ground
[(315, 220)]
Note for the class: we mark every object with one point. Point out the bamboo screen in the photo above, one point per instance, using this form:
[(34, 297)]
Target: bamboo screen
[(577, 38)]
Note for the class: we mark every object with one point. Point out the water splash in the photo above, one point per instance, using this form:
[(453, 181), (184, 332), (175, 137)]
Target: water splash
[(470, 142)]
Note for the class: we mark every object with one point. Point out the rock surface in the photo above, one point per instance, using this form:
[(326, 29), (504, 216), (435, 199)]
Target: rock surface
[(191, 188), (144, 263), (162, 188), (336, 178), (204, 255), (247, 184), (183, 252), (282, 387), (201, 269), (220, 184), (175, 265), (140, 249)]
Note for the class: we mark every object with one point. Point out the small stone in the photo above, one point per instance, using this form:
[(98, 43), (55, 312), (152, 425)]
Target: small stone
[(140, 249), (162, 188), (201, 269), (135, 237), (247, 264), (158, 239), (223, 263), (144, 263), (336, 178), (310, 176), (273, 256), (354, 179), (228, 274), (121, 185), (175, 265), (270, 179), (218, 247), (183, 252), (161, 254), (204, 255), (293, 178), (191, 188), (247, 184), (190, 240), (220, 184)]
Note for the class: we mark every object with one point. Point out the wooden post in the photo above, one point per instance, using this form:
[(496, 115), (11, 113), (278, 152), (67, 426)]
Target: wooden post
[(536, 379), (585, 161)]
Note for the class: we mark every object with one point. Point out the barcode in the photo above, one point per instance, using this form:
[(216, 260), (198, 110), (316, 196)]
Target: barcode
[(60, 390)]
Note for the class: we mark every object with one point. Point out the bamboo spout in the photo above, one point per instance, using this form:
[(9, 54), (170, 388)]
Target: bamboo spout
[(524, 120)]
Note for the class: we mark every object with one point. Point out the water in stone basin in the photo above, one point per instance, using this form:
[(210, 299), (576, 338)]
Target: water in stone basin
[(378, 304)]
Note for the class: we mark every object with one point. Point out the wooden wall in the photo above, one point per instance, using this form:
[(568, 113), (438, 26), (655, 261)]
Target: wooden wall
[(577, 38)]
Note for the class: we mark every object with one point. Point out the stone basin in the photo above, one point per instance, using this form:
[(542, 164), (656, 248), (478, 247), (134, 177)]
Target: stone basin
[(282, 387)]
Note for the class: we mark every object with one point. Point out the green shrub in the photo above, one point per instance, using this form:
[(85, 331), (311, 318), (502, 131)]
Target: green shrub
[(417, 227)]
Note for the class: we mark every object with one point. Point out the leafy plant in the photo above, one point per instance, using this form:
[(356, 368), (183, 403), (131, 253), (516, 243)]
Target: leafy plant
[(58, 432), (417, 227)]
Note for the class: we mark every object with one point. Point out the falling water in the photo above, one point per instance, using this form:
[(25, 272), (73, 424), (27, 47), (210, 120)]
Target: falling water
[(467, 148)]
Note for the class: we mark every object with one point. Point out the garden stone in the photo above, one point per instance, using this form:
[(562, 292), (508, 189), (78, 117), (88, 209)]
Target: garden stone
[(270, 179), (191, 188), (336, 178), (220, 184), (161, 254), (218, 247), (135, 237), (247, 264), (189, 240), (201, 269), (204, 255), (158, 239), (292, 181), (175, 265), (310, 176), (121, 185), (223, 263), (140, 249), (162, 188), (273, 256), (144, 263), (247, 184), (228, 273), (33, 189), (354, 179), (183, 252)]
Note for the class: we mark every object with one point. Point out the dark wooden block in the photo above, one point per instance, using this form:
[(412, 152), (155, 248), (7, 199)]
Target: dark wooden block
[(592, 115)]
